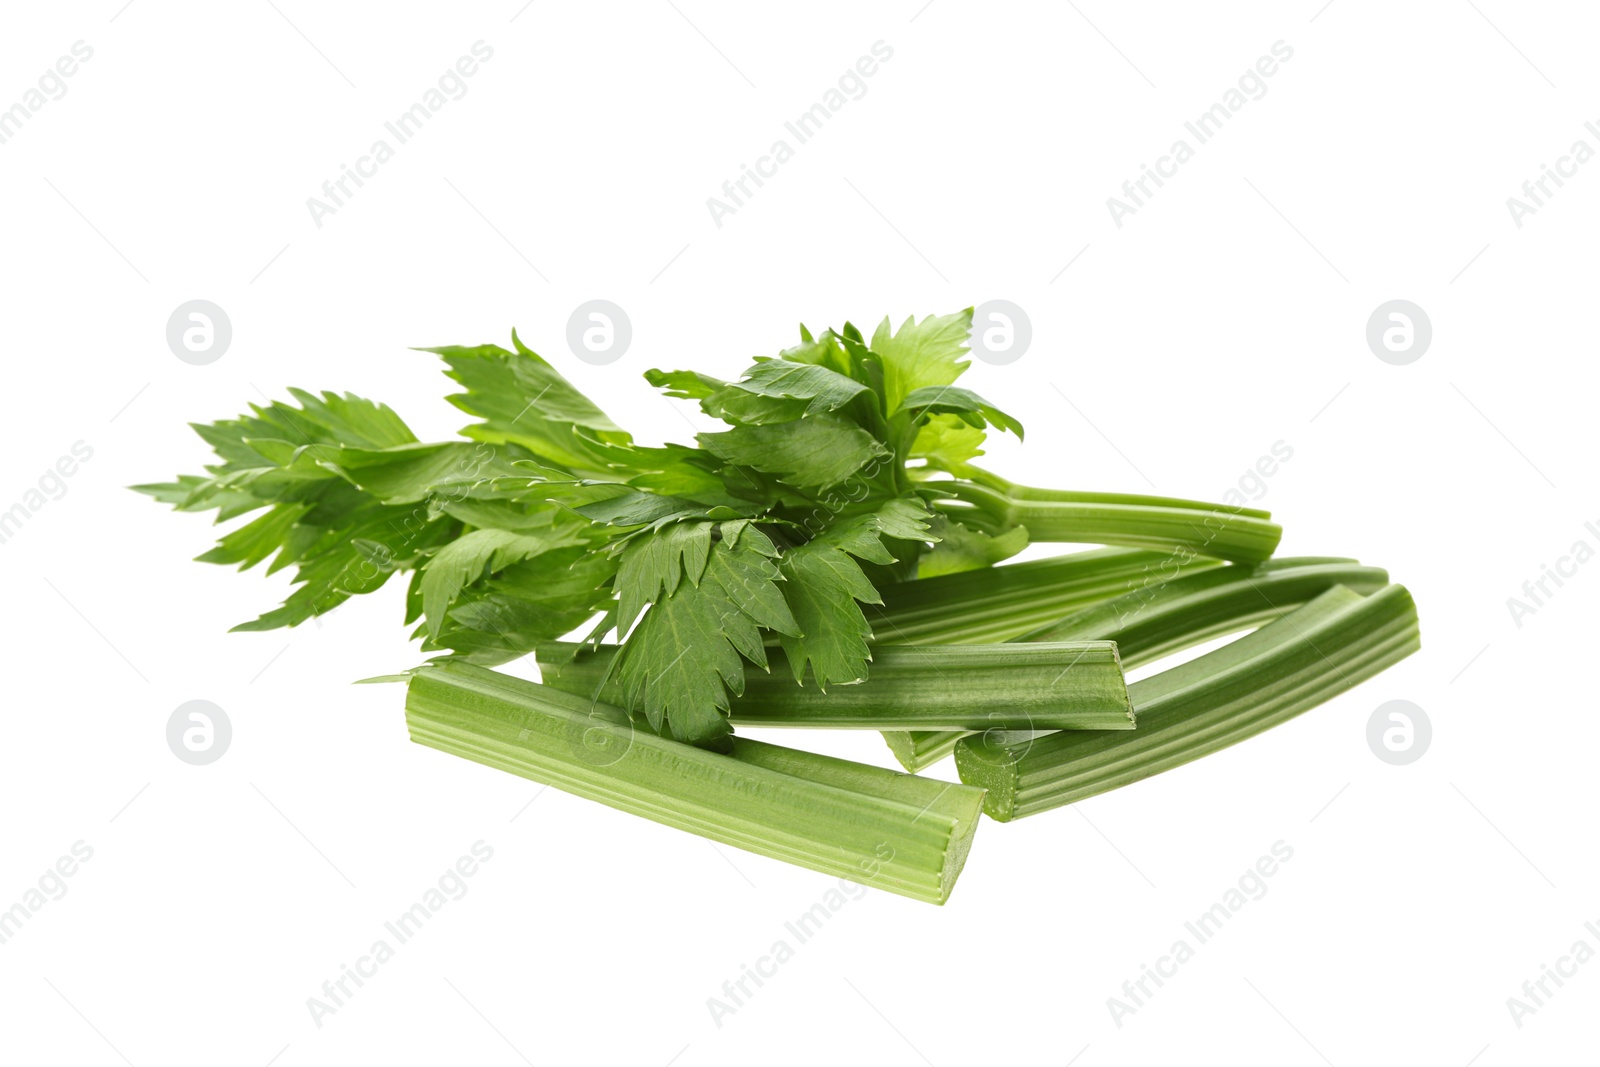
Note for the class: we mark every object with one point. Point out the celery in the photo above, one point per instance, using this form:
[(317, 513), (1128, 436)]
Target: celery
[(1244, 535), (1041, 686), (891, 831), (1160, 618), (999, 603), (1149, 624), (1265, 678), (1029, 492)]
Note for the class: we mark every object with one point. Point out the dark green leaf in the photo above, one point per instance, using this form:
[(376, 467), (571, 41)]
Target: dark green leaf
[(811, 453)]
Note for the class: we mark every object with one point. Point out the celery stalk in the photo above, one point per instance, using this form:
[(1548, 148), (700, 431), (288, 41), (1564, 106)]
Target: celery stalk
[(1242, 535), (1148, 624), (1040, 686), (1029, 492), (999, 603), (890, 831), (1162, 617), (1265, 678)]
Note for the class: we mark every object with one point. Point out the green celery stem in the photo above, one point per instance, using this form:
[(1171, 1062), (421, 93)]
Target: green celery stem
[(1161, 617), (890, 831), (1265, 678), (1242, 535), (999, 603), (1074, 685)]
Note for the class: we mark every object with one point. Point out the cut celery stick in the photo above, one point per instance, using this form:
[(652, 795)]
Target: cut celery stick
[(1028, 492), (1162, 617), (1150, 624), (890, 831), (1265, 678), (1239, 534), (1038, 686), (999, 603)]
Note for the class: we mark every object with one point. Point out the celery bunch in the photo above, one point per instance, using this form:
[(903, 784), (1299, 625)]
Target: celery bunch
[(833, 558)]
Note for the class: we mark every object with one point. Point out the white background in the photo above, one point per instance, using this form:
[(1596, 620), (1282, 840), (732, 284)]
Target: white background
[(1226, 315)]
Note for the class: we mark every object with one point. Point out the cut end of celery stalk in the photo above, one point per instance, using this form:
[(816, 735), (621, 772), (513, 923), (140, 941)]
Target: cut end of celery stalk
[(962, 804), (1308, 657), (918, 749), (988, 760), (883, 829)]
